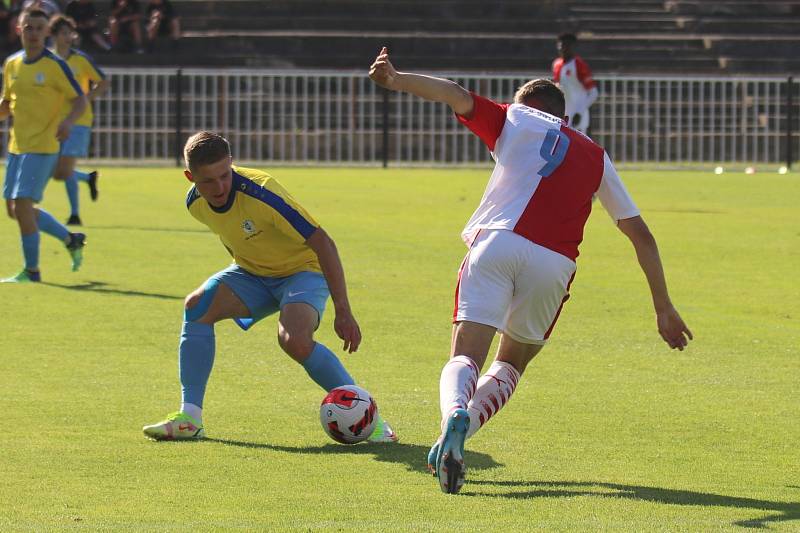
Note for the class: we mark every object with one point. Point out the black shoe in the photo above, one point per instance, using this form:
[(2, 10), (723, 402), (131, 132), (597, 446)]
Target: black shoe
[(74, 220), (92, 181)]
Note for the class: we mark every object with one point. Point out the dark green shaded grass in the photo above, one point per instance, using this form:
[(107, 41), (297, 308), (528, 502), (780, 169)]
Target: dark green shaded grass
[(608, 430)]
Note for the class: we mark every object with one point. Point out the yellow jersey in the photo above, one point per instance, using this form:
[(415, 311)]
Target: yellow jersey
[(261, 225), (37, 89), (86, 73)]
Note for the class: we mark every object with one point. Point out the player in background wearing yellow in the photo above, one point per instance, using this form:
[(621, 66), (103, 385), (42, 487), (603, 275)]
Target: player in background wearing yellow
[(284, 262), (37, 85), (94, 83)]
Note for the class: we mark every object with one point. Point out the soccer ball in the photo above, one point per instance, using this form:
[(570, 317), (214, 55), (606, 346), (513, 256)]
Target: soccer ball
[(348, 414)]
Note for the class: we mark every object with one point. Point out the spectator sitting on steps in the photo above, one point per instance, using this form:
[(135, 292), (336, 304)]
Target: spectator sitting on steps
[(84, 14), (125, 20), (162, 20)]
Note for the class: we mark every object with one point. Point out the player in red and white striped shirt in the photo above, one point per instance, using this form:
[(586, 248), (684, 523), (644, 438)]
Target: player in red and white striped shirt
[(523, 242), (574, 78)]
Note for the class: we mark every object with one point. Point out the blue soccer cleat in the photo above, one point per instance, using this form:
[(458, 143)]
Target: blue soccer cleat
[(450, 467), (432, 455)]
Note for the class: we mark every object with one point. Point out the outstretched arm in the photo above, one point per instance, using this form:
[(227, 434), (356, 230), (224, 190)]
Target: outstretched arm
[(345, 323), (430, 88), (670, 325)]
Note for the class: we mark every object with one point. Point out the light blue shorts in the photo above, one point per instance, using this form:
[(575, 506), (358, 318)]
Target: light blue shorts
[(264, 295), (77, 144), (27, 175)]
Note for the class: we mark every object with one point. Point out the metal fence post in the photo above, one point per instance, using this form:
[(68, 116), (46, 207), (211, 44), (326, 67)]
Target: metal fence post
[(789, 120), (385, 128), (178, 116)]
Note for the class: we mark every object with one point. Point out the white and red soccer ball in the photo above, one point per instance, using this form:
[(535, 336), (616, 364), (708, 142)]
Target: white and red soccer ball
[(348, 414)]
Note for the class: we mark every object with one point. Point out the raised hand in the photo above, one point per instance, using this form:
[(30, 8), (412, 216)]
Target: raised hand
[(382, 71)]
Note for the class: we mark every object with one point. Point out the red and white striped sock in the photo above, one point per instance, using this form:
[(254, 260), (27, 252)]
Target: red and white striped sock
[(457, 384), (494, 390)]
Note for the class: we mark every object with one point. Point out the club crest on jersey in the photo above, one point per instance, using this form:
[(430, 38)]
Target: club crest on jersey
[(39, 78), (250, 229), (248, 226)]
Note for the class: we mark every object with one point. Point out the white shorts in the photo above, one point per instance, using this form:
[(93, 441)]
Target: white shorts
[(514, 285)]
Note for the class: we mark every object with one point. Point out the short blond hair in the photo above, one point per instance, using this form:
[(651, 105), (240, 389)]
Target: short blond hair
[(544, 94), (205, 148)]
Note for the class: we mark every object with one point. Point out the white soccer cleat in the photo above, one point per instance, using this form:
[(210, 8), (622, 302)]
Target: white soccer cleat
[(383, 432), (177, 426)]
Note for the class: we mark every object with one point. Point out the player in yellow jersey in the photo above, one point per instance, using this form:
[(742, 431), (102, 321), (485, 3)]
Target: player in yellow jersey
[(94, 83), (284, 262), (37, 84)]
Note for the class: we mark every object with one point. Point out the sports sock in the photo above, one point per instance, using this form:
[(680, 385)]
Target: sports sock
[(325, 369), (193, 410), (80, 176), (494, 390), (50, 225), (30, 250), (71, 184), (195, 360), (457, 384)]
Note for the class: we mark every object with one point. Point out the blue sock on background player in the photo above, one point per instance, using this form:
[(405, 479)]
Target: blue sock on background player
[(80, 176), (325, 368), (195, 361), (71, 184), (51, 226), (30, 250)]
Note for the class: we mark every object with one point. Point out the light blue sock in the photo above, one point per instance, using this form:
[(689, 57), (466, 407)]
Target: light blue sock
[(80, 176), (72, 193), (51, 226), (326, 369), (195, 360), (30, 250)]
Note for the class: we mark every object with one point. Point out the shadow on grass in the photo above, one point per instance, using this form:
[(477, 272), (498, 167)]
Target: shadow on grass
[(786, 511), (102, 287), (413, 456)]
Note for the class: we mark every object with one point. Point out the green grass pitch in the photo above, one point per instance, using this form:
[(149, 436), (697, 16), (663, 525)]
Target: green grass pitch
[(609, 429)]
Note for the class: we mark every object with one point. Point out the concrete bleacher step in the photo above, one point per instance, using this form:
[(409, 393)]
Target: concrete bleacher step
[(343, 23), (636, 36), (734, 8), (356, 52), (724, 25)]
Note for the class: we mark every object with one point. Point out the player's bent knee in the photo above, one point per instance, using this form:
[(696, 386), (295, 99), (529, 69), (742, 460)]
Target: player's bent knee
[(198, 303), (298, 347)]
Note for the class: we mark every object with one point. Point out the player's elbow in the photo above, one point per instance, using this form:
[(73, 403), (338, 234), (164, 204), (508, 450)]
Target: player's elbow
[(320, 241), (637, 231), (461, 101)]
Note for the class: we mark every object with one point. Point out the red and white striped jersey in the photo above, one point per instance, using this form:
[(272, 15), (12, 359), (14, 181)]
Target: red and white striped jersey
[(544, 178), (575, 80)]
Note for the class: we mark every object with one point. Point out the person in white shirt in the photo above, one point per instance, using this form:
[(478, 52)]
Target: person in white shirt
[(574, 77), (523, 242)]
